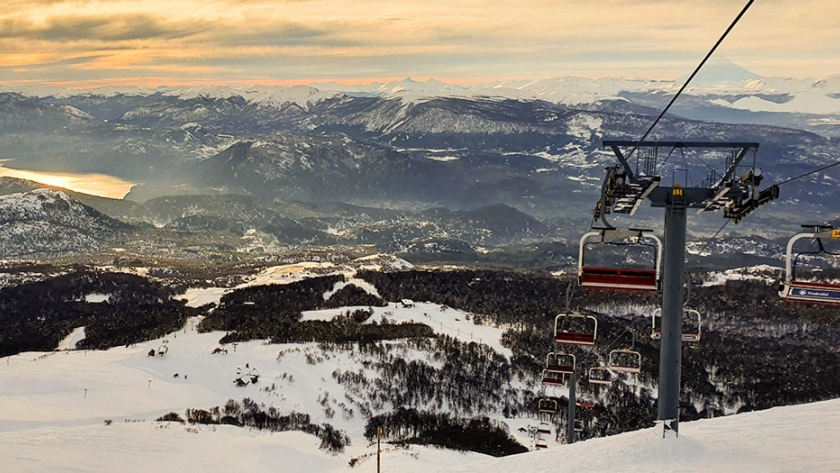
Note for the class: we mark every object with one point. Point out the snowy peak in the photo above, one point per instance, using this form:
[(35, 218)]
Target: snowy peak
[(301, 95), (720, 70)]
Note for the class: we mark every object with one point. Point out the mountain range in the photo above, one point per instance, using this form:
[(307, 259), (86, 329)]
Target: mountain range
[(527, 155)]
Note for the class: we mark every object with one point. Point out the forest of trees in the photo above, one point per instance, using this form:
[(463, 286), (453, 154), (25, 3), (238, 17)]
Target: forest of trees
[(463, 378), (37, 315), (757, 351), (274, 312), (477, 434)]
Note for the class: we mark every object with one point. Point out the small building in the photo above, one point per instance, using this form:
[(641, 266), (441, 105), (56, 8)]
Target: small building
[(407, 303)]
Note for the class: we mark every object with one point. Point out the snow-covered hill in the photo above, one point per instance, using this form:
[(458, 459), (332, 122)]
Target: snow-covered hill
[(783, 439), (48, 222), (53, 408)]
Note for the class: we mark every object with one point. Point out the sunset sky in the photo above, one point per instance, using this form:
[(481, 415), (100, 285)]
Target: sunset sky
[(84, 43)]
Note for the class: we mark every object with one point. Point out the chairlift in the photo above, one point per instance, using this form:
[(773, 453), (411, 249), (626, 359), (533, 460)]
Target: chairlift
[(797, 290), (692, 323), (553, 378), (578, 426), (544, 429), (557, 367), (625, 361), (620, 277), (574, 328), (585, 404), (540, 443), (601, 375), (547, 406), (563, 363)]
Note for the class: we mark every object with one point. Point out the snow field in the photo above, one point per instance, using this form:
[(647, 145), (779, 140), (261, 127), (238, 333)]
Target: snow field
[(289, 273), (57, 403)]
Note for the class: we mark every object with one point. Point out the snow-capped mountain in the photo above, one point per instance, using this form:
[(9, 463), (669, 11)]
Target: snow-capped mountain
[(409, 145)]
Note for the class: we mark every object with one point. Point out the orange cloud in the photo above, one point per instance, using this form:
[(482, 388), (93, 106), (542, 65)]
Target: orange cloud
[(294, 40)]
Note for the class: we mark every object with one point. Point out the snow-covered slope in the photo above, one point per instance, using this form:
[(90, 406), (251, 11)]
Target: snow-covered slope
[(793, 438), (53, 407)]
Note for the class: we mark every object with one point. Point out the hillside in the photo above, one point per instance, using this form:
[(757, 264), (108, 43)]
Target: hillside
[(298, 363), (45, 222), (794, 438), (127, 387)]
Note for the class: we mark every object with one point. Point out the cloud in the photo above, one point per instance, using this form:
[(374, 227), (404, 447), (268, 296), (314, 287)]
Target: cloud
[(110, 28), (236, 40)]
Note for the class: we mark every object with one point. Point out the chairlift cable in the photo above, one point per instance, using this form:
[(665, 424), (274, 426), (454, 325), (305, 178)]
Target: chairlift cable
[(697, 155), (665, 161), (807, 174), (688, 81), (688, 179), (709, 240)]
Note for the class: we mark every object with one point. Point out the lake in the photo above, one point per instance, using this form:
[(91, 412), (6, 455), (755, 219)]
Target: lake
[(95, 184)]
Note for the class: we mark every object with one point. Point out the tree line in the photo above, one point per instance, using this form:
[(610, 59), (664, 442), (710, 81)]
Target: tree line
[(477, 434), (250, 414)]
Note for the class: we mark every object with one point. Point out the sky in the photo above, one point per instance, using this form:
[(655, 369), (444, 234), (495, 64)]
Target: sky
[(146, 43)]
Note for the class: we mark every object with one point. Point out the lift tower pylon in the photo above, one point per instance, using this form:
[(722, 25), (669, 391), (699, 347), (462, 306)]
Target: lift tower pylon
[(624, 191)]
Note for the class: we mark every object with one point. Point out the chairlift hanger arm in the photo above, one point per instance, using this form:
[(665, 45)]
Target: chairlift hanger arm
[(735, 163), (621, 159)]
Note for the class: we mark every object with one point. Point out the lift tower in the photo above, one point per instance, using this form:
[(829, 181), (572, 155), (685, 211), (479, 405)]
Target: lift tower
[(624, 190)]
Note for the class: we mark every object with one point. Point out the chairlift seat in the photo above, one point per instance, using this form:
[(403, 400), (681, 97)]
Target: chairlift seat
[(564, 369), (794, 290), (606, 379), (547, 406), (690, 336), (814, 292), (586, 404), (574, 338), (625, 361), (622, 279), (575, 329), (553, 378)]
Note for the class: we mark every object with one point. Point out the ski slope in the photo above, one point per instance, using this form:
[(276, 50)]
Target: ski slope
[(53, 407), (783, 439)]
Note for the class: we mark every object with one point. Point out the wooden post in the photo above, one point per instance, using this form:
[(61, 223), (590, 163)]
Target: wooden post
[(85, 393), (150, 384), (378, 449)]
